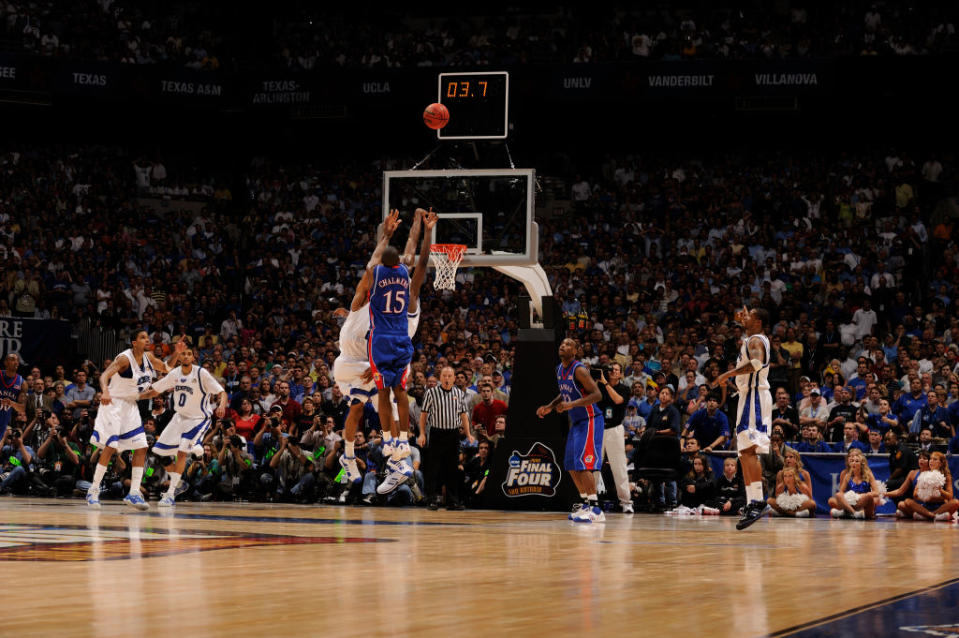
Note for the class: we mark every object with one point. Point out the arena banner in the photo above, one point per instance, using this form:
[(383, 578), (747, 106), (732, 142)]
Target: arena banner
[(11, 72), (190, 87), (824, 470), (96, 79), (39, 342)]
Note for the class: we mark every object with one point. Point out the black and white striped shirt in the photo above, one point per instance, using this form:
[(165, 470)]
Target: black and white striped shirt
[(444, 407)]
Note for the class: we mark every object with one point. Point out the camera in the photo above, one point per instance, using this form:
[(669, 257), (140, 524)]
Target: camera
[(235, 441), (15, 434), (596, 373)]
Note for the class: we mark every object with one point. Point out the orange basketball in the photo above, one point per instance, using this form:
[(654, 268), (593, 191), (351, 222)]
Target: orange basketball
[(436, 115)]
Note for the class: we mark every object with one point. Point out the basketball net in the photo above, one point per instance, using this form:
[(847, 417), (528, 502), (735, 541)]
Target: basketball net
[(445, 258)]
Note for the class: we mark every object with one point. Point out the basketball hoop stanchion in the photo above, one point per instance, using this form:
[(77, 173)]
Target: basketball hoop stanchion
[(445, 258)]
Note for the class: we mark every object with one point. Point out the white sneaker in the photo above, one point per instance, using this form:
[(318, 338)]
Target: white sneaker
[(588, 514), (837, 513), (393, 480), (348, 463), (708, 511), (899, 513), (596, 515), (93, 499), (575, 510), (388, 448), (166, 501), (802, 514), (918, 516), (628, 508), (401, 449), (860, 514), (944, 516)]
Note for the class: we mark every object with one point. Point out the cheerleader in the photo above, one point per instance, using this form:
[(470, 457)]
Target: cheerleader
[(793, 496), (932, 496), (858, 489)]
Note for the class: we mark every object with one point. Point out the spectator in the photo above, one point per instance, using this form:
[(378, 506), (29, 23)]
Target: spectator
[(487, 409)]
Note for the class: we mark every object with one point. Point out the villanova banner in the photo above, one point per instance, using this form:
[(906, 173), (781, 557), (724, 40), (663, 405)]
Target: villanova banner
[(824, 470), (44, 343)]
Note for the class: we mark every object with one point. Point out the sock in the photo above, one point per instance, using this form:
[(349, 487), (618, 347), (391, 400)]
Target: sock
[(582, 495), (174, 481), (591, 499), (98, 477), (348, 448), (387, 437), (754, 491), (136, 477), (404, 436)]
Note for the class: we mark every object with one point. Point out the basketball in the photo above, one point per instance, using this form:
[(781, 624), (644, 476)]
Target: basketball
[(436, 115)]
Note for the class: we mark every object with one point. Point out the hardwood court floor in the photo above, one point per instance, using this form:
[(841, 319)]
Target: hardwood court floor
[(262, 570)]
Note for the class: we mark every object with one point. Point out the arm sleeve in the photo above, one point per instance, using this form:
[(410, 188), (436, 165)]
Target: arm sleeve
[(210, 382), (167, 382)]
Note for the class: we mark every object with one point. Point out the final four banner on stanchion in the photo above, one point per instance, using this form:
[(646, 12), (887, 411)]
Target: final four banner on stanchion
[(39, 342), (824, 470)]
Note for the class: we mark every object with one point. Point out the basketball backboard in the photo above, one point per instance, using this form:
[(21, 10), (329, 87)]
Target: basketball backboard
[(488, 210)]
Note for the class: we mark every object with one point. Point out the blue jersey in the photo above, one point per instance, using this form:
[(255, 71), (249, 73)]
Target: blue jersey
[(389, 300), (572, 390), (10, 388)]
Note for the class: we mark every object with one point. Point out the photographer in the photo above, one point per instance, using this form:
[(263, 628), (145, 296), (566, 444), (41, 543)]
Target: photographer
[(60, 459), (201, 474), (19, 460), (82, 428), (613, 405), (286, 469), (266, 443), (236, 467)]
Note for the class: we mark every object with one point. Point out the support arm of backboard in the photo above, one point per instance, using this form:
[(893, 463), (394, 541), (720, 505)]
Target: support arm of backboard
[(534, 278)]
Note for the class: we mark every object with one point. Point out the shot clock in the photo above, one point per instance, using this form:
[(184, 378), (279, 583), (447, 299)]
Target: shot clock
[(478, 103)]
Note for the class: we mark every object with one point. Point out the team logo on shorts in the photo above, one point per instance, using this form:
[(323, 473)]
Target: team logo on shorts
[(588, 459), (535, 473)]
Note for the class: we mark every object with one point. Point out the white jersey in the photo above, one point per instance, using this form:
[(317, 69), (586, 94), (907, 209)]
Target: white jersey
[(354, 331), (758, 380), (353, 334), (755, 410), (132, 381), (193, 392)]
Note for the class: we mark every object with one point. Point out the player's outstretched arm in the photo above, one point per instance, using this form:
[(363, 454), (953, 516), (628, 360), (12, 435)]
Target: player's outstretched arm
[(413, 239), (419, 274)]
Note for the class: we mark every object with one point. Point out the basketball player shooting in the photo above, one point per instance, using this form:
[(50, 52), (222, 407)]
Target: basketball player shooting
[(754, 413)]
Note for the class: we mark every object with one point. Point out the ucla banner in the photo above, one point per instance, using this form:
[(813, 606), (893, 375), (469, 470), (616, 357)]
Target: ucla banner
[(824, 470), (39, 342)]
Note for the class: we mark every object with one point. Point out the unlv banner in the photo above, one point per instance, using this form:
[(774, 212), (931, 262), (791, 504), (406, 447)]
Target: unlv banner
[(39, 342), (824, 470)]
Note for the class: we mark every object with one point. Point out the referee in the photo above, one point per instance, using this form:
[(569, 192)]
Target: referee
[(444, 411)]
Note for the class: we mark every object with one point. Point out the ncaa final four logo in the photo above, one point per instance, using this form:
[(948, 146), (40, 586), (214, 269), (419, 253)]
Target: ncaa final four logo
[(535, 473)]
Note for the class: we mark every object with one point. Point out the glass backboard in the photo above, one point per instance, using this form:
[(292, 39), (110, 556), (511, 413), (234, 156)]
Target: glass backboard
[(489, 210)]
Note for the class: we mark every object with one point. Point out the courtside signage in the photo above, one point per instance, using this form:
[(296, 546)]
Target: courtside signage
[(535, 473)]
